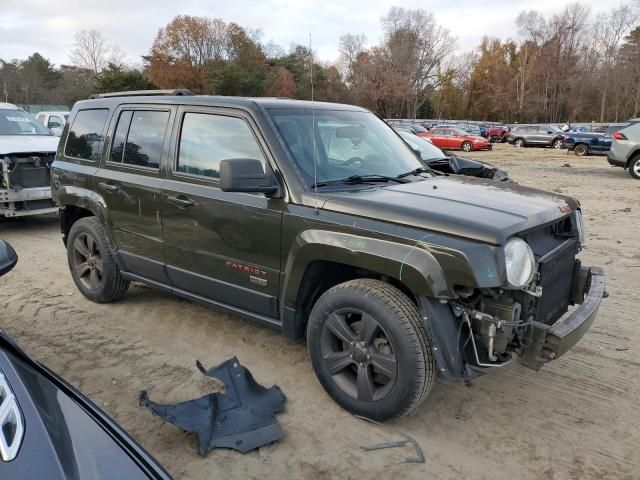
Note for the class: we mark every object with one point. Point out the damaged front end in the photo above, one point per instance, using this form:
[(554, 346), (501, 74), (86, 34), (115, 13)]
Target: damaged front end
[(486, 327), (25, 184)]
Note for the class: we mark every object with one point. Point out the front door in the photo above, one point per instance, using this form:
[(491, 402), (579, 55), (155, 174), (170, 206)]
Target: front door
[(130, 183), (222, 246)]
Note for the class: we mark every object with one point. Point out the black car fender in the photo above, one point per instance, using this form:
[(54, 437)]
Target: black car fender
[(413, 266)]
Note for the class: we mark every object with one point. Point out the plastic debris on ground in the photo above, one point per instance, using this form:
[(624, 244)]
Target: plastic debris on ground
[(242, 418)]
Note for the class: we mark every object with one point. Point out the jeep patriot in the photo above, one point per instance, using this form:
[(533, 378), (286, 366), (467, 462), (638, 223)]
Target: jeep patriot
[(319, 220)]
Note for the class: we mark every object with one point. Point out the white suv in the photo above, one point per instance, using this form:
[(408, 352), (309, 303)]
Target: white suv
[(27, 150), (54, 121)]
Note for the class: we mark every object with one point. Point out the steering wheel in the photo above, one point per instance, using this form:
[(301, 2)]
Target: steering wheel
[(353, 160)]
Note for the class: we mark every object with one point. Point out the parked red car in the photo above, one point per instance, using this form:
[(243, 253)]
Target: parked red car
[(451, 138), (497, 133)]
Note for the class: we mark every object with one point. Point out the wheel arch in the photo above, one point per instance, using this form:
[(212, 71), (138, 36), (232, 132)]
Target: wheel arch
[(633, 154), (76, 203), (323, 259)]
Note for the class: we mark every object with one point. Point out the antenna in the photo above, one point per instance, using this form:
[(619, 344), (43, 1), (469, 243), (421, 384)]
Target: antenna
[(313, 131)]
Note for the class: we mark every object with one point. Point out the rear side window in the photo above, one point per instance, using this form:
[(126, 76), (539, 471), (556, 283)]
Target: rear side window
[(85, 135), (139, 138), (207, 139)]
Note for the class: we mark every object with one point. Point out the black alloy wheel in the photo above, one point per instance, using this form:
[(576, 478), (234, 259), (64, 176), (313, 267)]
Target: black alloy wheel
[(359, 355), (88, 261)]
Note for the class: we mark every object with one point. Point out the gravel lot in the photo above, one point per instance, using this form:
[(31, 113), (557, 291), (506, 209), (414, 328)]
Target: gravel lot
[(578, 418)]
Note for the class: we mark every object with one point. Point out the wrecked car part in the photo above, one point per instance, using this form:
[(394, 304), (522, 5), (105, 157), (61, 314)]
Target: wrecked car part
[(465, 318), (419, 458), (241, 418)]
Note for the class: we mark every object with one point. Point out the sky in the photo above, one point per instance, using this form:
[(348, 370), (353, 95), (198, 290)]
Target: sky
[(48, 27)]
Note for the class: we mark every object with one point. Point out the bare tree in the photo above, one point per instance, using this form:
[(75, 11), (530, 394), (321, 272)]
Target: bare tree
[(610, 29), (416, 45), (350, 47), (90, 51)]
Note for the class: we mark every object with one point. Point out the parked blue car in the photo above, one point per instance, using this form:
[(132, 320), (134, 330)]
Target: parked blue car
[(588, 143)]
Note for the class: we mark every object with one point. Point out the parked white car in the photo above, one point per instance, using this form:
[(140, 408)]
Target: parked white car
[(27, 150), (54, 121)]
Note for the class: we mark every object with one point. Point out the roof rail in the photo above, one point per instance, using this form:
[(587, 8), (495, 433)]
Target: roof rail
[(134, 93)]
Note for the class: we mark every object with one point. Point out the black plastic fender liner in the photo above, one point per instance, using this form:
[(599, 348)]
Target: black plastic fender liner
[(241, 418), (445, 335)]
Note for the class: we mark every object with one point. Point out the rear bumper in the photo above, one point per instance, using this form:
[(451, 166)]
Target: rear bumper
[(615, 162), (557, 339)]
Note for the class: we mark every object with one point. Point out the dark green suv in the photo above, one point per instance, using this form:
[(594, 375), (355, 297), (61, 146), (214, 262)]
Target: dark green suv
[(319, 220)]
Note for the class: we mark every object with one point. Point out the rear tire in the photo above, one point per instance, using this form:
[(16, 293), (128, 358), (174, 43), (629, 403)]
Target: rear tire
[(92, 264), (518, 142), (634, 167), (369, 348), (466, 146), (581, 150)]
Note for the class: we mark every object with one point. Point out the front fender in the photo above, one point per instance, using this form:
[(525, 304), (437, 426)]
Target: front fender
[(412, 265)]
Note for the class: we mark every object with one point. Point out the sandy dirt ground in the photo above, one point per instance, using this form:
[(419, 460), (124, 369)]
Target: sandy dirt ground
[(578, 418)]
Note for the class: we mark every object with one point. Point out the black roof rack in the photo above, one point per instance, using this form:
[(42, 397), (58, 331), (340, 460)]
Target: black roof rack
[(135, 93)]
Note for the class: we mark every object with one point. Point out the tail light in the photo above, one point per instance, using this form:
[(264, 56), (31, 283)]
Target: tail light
[(620, 136)]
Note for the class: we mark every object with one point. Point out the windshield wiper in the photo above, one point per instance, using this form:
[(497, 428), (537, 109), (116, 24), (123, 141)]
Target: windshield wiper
[(417, 171), (353, 179)]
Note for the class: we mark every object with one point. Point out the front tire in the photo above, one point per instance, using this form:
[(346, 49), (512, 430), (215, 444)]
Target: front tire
[(518, 142), (466, 146), (93, 267), (370, 350), (634, 167), (581, 150), (557, 144)]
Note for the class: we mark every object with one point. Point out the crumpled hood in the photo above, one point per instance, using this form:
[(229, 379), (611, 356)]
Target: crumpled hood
[(28, 144), (463, 206)]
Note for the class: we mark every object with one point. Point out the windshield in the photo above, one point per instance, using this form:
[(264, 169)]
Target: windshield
[(347, 143), (428, 151), (554, 129), (17, 122)]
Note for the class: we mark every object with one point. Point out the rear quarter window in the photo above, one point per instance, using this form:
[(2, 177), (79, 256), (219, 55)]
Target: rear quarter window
[(86, 135)]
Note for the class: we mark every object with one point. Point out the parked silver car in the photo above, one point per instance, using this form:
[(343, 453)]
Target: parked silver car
[(625, 150)]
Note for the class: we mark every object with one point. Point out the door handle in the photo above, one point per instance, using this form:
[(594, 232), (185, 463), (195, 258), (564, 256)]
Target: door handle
[(181, 201), (108, 187)]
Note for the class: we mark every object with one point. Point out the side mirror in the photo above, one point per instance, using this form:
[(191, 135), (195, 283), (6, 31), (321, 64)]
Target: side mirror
[(246, 175), (549, 132), (8, 257)]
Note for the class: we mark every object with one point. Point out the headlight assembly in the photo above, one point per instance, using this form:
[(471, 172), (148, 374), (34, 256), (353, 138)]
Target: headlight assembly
[(520, 263)]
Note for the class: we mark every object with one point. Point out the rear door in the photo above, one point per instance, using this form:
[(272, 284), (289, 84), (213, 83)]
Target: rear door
[(223, 246), (452, 140), (437, 137), (130, 182)]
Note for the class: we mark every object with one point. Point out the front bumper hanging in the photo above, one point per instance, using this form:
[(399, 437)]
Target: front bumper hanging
[(553, 341), (565, 333)]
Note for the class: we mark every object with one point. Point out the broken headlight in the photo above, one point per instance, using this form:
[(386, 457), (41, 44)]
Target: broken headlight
[(520, 263)]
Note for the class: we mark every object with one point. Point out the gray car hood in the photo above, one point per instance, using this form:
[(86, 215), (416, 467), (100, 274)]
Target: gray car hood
[(468, 207), (13, 144)]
